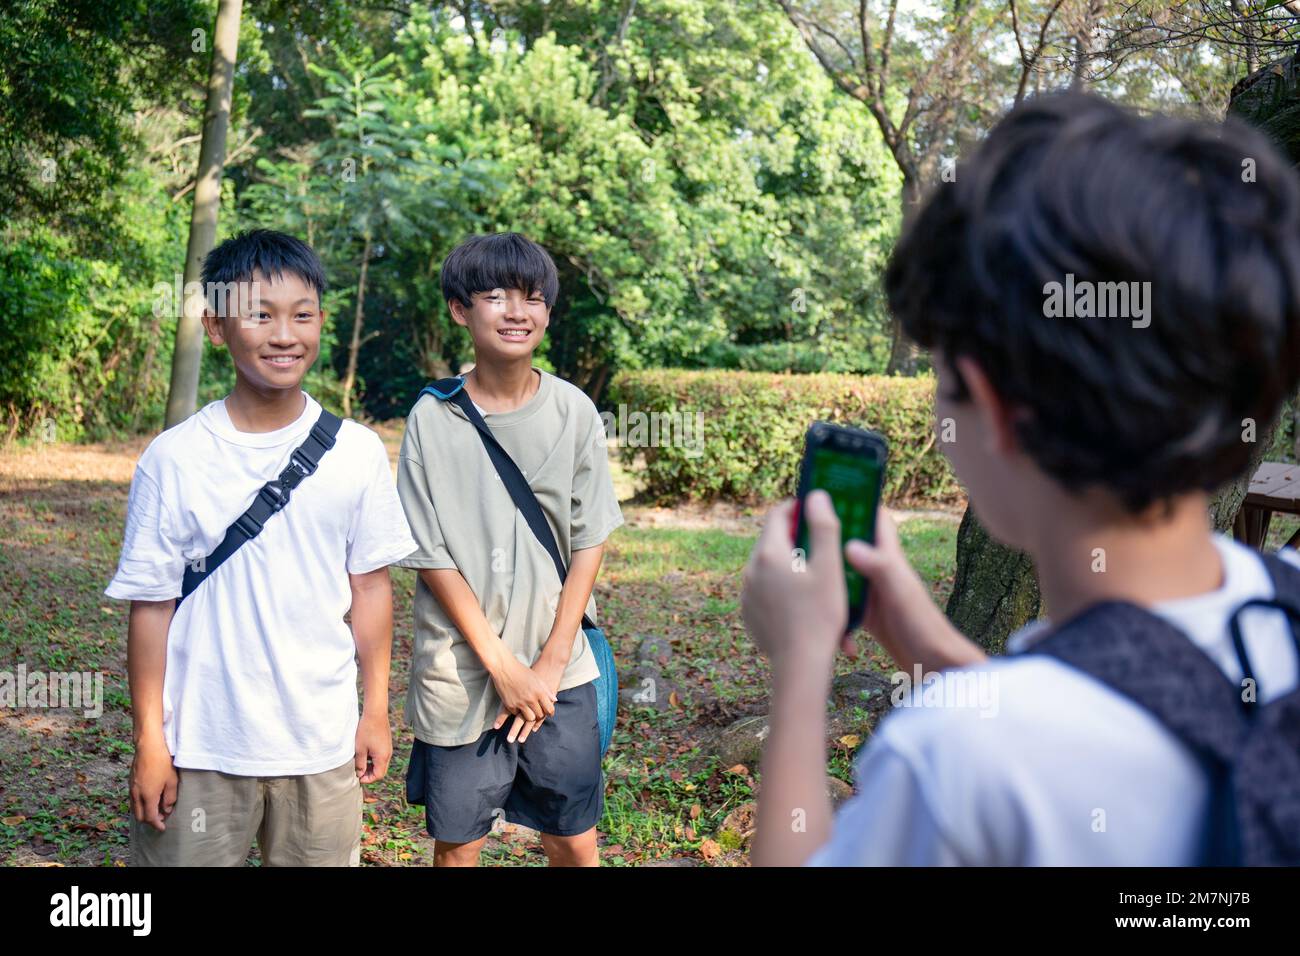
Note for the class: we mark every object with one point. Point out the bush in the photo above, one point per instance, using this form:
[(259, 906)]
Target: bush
[(753, 426), (802, 357), (76, 353), (85, 349)]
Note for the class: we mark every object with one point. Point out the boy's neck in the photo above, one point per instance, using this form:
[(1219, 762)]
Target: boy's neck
[(502, 388), (1086, 556), (254, 410)]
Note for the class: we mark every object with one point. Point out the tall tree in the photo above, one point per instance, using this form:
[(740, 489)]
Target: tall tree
[(380, 190), (923, 98), (188, 354), (70, 75), (921, 92)]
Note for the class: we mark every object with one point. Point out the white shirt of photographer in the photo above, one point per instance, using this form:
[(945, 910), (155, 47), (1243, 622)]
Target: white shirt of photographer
[(1063, 771), (261, 668)]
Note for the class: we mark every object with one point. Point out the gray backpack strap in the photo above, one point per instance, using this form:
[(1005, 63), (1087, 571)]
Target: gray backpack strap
[(1250, 752)]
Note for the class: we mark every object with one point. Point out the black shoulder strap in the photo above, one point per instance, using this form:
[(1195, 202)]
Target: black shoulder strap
[(1251, 753), (453, 390), (270, 498), (1286, 598), (1150, 661)]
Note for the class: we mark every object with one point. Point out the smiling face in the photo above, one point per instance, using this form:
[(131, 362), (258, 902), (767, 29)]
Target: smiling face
[(506, 324), (272, 332)]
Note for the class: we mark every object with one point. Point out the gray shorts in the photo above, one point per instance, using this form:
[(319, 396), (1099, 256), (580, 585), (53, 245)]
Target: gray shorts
[(308, 820), (552, 782)]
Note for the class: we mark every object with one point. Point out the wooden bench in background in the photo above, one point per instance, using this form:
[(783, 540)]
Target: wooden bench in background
[(1274, 487)]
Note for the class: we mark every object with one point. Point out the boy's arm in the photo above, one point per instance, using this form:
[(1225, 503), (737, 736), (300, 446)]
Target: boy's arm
[(372, 630), (554, 658), (521, 689), (797, 616), (593, 517), (555, 653), (153, 776)]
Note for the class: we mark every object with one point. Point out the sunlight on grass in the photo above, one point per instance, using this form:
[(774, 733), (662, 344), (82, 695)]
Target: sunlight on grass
[(636, 555)]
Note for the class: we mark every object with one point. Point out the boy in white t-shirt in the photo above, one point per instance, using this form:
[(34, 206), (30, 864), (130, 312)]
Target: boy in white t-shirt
[(244, 691), (1090, 439)]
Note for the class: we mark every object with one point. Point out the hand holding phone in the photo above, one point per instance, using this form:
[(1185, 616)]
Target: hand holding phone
[(849, 464)]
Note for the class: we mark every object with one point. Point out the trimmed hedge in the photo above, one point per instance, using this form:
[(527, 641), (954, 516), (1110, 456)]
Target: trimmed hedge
[(754, 424)]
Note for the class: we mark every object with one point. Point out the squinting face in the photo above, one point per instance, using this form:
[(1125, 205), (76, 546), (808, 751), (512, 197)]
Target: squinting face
[(274, 334), (505, 324)]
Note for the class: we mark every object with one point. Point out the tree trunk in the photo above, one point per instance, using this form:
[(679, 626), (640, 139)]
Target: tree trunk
[(354, 347), (1084, 43), (183, 394), (904, 357), (1228, 500), (1270, 100), (428, 339), (995, 591)]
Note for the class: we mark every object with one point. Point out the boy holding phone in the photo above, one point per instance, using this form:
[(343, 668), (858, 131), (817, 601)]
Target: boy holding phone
[(1078, 438)]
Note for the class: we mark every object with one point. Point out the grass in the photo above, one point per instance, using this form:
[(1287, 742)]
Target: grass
[(63, 776)]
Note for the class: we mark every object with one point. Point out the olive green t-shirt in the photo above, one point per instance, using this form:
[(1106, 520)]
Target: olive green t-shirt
[(462, 517)]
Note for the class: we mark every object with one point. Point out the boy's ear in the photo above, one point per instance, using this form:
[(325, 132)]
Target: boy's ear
[(212, 325), (457, 312), (997, 414)]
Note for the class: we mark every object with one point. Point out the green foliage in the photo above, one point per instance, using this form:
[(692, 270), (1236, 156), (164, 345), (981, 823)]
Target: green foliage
[(86, 343), (380, 191), (707, 194), (802, 357), (70, 75), (711, 198), (697, 184), (754, 424)]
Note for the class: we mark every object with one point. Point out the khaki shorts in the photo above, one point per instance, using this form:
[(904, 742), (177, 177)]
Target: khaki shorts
[(308, 820)]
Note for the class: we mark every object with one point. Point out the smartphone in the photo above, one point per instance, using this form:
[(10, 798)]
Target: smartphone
[(849, 464)]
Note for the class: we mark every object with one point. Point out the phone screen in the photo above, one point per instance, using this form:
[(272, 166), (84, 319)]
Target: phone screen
[(853, 481)]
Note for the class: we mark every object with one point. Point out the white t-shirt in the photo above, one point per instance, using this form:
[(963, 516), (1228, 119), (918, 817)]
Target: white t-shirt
[(1063, 770), (261, 670)]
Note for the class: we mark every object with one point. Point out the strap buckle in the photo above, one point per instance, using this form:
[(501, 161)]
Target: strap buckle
[(326, 440), (275, 495), (299, 467), (248, 526)]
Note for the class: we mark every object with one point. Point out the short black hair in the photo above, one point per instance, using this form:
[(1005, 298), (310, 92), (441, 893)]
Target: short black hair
[(498, 260), (1208, 214), (264, 250)]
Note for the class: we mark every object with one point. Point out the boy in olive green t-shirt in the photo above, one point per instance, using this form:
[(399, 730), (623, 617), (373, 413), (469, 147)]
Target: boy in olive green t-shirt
[(501, 697)]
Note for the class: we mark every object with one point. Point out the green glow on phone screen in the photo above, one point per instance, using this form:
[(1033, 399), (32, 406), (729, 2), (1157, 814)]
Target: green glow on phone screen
[(852, 481)]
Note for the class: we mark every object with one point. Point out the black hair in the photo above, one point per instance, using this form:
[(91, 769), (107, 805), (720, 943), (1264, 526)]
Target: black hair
[(264, 250), (498, 260), (1069, 184)]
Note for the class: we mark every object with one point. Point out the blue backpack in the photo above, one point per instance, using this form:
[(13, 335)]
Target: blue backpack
[(1250, 751), (453, 390)]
